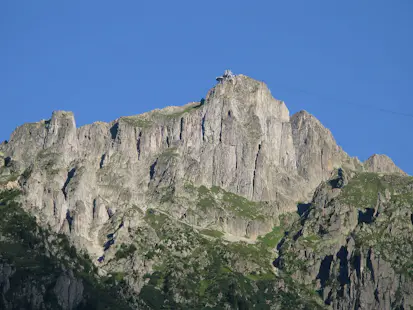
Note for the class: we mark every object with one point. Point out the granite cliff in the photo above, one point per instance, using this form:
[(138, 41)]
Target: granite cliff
[(176, 204)]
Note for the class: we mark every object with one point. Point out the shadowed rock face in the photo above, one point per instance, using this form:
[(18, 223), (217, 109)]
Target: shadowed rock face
[(232, 163)]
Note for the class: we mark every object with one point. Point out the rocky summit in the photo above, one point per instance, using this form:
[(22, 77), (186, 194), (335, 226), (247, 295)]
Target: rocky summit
[(226, 203)]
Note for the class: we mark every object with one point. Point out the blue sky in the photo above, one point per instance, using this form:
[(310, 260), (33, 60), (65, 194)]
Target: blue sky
[(341, 61)]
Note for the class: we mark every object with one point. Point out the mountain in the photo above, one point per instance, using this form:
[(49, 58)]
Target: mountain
[(215, 204)]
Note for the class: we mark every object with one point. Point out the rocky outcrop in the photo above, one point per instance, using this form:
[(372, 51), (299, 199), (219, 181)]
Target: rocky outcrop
[(35, 293), (381, 164), (354, 242), (317, 152), (69, 291)]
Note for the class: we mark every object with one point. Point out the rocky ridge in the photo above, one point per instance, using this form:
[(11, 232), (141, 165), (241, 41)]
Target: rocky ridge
[(353, 242), (229, 167)]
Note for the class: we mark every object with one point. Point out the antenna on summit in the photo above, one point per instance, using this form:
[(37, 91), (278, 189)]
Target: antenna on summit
[(226, 76)]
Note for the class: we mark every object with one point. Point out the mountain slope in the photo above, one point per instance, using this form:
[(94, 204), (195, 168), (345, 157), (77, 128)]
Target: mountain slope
[(354, 243), (39, 270), (186, 207)]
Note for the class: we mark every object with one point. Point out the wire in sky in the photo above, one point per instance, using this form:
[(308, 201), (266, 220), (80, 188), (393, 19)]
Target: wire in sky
[(330, 98)]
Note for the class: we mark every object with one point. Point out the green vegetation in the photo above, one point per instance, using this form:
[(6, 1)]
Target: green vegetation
[(362, 191), (38, 263), (257, 255), (288, 219), (48, 161), (207, 202), (19, 235), (169, 153), (125, 251), (137, 121), (210, 278), (27, 172), (193, 272), (183, 111), (4, 179), (7, 199), (155, 219), (218, 198), (212, 233), (292, 263), (222, 289), (385, 230), (311, 241), (257, 277), (118, 276), (272, 238), (242, 206), (395, 247), (168, 195)]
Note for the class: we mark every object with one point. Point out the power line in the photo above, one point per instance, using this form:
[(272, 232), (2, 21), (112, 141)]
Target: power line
[(330, 98)]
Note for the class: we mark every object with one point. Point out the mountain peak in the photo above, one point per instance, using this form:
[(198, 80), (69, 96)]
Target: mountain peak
[(243, 92), (382, 164)]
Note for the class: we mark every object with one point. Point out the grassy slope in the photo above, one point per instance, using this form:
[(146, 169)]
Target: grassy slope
[(203, 273)]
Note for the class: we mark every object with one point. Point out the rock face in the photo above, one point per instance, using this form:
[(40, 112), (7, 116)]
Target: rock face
[(381, 164), (230, 167), (69, 291), (317, 152), (354, 242), (241, 140), (39, 270), (238, 140)]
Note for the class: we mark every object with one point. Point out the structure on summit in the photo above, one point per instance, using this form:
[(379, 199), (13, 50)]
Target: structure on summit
[(227, 75)]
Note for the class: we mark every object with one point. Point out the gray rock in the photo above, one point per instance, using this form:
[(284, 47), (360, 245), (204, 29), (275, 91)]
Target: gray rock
[(357, 250), (233, 163), (381, 164), (69, 291), (317, 152)]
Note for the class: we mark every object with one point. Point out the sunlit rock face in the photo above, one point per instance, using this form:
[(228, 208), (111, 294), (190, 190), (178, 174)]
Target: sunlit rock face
[(232, 163)]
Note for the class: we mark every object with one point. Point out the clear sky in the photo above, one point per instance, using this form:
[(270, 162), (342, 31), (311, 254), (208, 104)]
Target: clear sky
[(342, 61)]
